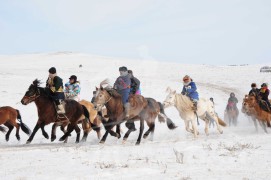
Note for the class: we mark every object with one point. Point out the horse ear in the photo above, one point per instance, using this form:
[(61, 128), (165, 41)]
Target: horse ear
[(102, 88), (97, 89), (168, 90)]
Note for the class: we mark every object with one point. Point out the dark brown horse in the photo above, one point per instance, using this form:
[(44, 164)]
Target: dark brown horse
[(8, 117), (47, 111), (140, 108)]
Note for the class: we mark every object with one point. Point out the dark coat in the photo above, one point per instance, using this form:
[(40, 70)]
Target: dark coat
[(135, 83), (55, 88), (264, 94), (254, 91)]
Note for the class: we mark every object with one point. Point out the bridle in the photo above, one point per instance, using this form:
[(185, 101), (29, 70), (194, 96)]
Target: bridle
[(33, 97)]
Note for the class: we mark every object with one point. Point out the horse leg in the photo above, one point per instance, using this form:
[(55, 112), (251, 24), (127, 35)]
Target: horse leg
[(140, 131), (53, 133), (215, 118), (195, 129), (187, 126), (151, 129), (86, 128), (263, 126), (118, 131), (77, 130), (70, 129), (126, 135), (104, 137), (17, 131), (36, 128), (255, 124), (207, 125), (44, 133), (10, 128)]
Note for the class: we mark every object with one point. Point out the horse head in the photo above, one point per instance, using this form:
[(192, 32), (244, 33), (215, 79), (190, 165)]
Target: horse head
[(32, 93), (248, 104), (101, 98), (170, 99)]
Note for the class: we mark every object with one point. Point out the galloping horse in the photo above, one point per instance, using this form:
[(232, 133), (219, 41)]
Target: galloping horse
[(8, 116), (252, 108), (47, 111), (115, 111), (150, 113), (231, 114), (184, 105)]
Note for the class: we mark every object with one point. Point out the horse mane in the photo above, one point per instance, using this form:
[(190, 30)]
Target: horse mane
[(183, 102), (113, 92), (36, 83)]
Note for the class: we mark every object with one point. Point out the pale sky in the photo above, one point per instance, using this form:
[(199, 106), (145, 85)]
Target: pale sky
[(185, 31)]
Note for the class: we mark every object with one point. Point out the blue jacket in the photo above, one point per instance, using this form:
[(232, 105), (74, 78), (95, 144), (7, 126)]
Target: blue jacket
[(191, 90)]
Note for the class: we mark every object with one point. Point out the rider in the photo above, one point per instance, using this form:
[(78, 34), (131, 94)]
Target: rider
[(135, 83), (54, 86), (72, 89), (232, 101), (190, 90), (264, 93), (254, 90), (123, 85)]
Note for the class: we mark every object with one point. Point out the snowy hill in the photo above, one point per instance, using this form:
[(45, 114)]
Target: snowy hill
[(238, 153)]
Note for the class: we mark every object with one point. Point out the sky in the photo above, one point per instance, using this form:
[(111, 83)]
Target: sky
[(186, 31)]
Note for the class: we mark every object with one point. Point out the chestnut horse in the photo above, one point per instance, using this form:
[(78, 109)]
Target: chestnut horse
[(47, 111), (252, 108), (8, 116)]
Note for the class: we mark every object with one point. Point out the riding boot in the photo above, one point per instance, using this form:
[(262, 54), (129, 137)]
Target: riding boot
[(195, 106), (127, 110)]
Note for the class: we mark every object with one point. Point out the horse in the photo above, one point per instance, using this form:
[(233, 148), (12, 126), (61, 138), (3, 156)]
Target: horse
[(153, 110), (184, 105), (8, 117), (231, 115), (252, 108), (93, 122), (47, 113)]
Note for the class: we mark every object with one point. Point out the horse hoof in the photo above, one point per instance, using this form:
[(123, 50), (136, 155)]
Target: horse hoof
[(62, 139), (221, 132), (124, 141), (7, 139), (145, 136), (76, 142), (102, 142), (18, 138), (118, 136), (137, 143), (28, 142), (46, 136)]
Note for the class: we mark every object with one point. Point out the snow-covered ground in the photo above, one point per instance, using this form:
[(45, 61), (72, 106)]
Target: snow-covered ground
[(238, 153)]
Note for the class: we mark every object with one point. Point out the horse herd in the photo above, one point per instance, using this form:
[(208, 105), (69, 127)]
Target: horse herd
[(106, 108)]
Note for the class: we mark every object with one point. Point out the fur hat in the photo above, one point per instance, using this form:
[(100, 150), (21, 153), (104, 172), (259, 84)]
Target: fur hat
[(186, 77), (52, 70), (123, 68), (264, 85)]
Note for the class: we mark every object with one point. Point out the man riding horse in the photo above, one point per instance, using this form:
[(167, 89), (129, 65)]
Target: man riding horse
[(54, 87), (232, 101), (190, 90)]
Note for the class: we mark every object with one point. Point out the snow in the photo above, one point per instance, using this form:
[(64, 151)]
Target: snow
[(238, 153)]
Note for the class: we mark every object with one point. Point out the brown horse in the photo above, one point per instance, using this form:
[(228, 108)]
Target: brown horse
[(140, 108), (8, 116), (252, 108), (47, 111), (231, 115)]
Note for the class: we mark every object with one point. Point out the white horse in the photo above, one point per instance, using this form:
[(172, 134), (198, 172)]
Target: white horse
[(205, 111)]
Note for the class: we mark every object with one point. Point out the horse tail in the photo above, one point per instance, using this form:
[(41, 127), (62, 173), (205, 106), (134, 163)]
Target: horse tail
[(24, 127), (3, 129), (162, 117), (86, 114), (221, 122)]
